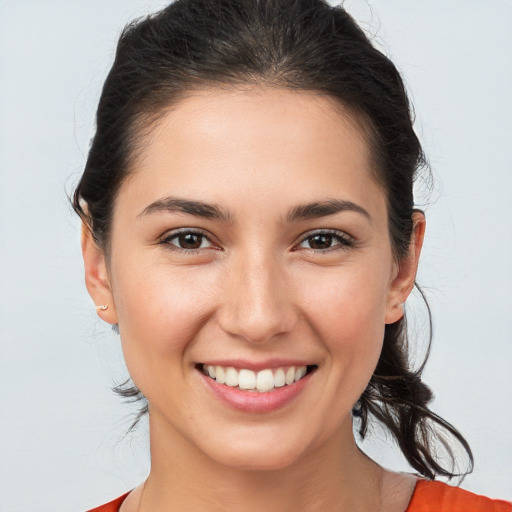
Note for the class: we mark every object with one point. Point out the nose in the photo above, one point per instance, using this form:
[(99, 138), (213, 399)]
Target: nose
[(258, 300)]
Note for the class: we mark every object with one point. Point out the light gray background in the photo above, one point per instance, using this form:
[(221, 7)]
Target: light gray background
[(61, 429)]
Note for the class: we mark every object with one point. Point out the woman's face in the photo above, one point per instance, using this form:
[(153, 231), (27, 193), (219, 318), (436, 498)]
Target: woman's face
[(251, 236)]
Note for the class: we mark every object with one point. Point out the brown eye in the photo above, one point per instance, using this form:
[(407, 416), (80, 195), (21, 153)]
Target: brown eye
[(190, 241), (187, 241), (321, 241), (325, 240)]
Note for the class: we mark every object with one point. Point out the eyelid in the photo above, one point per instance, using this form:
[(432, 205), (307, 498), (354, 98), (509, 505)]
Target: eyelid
[(345, 240), (173, 234)]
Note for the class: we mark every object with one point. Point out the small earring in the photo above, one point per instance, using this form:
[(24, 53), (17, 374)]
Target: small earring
[(102, 307)]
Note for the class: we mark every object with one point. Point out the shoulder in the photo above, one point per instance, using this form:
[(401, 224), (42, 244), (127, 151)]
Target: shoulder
[(112, 506), (430, 496)]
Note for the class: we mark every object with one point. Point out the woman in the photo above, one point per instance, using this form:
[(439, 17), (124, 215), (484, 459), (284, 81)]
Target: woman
[(249, 228)]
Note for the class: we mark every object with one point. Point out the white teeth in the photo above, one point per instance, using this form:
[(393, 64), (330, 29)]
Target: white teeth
[(220, 375), (246, 379), (300, 372), (231, 377), (265, 380), (279, 378), (261, 382), (290, 375)]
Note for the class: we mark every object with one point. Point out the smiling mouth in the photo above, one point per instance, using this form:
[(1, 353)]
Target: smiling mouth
[(263, 381)]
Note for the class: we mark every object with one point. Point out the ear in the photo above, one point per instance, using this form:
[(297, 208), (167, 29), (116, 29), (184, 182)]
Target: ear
[(403, 282), (97, 279)]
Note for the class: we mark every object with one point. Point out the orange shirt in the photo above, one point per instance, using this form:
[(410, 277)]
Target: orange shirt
[(427, 497), (438, 497)]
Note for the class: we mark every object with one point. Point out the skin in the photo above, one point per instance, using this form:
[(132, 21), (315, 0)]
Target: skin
[(254, 290)]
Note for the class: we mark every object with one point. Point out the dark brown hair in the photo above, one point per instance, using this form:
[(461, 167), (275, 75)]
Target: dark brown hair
[(294, 44)]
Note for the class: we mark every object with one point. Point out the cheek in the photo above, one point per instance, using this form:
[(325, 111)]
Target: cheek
[(347, 312), (353, 335), (351, 300), (159, 311)]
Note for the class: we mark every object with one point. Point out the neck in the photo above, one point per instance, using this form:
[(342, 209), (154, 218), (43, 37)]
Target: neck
[(335, 476)]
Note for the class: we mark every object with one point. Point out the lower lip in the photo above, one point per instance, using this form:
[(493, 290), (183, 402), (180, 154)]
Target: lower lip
[(250, 401)]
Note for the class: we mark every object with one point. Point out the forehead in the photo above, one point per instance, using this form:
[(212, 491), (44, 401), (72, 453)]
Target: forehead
[(266, 142), (258, 112)]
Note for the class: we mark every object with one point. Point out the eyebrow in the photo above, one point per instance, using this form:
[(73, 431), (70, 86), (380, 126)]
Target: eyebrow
[(307, 211), (323, 209), (197, 208)]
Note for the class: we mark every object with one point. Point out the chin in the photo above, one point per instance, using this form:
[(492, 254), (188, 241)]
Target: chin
[(255, 456), (258, 461)]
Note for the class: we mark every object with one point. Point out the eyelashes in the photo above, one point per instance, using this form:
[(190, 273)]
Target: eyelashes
[(187, 241), (193, 241), (326, 240)]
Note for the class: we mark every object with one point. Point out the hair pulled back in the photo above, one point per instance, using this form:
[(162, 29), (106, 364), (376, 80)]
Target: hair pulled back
[(299, 45)]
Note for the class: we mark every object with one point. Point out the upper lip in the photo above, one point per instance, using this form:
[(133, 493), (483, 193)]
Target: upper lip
[(256, 365)]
